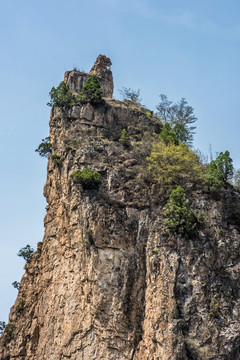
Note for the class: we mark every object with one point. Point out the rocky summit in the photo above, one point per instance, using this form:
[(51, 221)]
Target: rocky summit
[(108, 282)]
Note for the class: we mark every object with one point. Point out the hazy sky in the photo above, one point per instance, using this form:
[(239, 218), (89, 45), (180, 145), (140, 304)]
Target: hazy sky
[(181, 48)]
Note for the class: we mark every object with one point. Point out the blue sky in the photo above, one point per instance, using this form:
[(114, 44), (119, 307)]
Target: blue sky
[(182, 48)]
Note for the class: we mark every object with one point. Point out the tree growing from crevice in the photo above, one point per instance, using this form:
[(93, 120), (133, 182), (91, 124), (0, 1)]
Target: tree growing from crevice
[(26, 253), (16, 284), (45, 148)]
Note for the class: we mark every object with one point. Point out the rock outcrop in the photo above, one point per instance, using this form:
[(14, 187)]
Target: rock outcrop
[(107, 283), (101, 68)]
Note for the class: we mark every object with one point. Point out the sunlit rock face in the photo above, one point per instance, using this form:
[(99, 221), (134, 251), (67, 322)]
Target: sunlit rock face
[(107, 282), (101, 68)]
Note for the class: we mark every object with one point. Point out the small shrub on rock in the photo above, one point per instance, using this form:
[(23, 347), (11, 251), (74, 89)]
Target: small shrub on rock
[(20, 306), (88, 178), (2, 327), (45, 148), (26, 252), (124, 139), (90, 240), (16, 284), (8, 328), (149, 114), (57, 158)]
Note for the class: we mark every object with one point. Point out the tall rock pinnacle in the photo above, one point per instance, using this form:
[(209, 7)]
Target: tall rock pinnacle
[(101, 68)]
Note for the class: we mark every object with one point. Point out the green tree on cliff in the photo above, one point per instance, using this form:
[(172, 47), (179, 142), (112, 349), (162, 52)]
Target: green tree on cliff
[(91, 92), (45, 147), (61, 96), (26, 253), (180, 116), (224, 165), (218, 172), (171, 165), (179, 218)]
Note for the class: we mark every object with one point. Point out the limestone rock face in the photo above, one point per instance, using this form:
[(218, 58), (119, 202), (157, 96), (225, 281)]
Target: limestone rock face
[(127, 291), (75, 79), (101, 68)]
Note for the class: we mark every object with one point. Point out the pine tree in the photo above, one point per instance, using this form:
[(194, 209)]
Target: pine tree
[(91, 92)]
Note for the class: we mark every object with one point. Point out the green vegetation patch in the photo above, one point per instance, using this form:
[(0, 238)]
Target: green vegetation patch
[(154, 251), (218, 172), (2, 327), (90, 239), (180, 116), (88, 178), (91, 92), (26, 253), (56, 158), (45, 148), (179, 217), (124, 139), (61, 96), (20, 305), (16, 284), (171, 165), (168, 135)]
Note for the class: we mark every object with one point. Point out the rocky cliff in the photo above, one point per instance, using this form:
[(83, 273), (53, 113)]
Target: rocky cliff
[(107, 282)]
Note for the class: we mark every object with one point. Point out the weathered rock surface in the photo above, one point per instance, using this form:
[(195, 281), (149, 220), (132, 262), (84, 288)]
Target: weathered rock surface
[(101, 68), (131, 292)]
